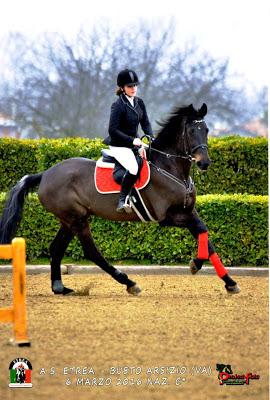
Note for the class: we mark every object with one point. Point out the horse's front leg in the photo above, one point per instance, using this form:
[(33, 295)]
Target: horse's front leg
[(206, 251)]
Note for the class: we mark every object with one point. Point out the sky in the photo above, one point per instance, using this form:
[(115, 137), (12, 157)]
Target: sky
[(234, 29)]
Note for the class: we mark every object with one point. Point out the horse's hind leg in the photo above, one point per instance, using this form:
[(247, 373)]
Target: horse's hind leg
[(92, 253), (206, 251), (57, 251)]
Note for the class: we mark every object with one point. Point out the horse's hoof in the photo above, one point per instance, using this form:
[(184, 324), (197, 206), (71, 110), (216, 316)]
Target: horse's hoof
[(233, 289), (194, 268), (135, 290), (67, 291), (59, 288)]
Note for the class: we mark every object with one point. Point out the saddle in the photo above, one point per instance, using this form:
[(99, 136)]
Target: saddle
[(109, 173)]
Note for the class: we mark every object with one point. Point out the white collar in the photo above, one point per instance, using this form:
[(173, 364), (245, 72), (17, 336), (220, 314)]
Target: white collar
[(130, 99)]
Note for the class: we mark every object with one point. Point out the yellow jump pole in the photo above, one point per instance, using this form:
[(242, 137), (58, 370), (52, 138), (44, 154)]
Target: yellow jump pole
[(19, 292), (17, 314)]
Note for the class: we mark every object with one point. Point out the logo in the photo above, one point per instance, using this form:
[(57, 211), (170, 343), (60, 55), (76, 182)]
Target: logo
[(227, 377), (20, 373)]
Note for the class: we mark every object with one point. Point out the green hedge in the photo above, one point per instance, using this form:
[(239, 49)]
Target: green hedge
[(17, 158), (239, 165), (237, 225), (52, 151)]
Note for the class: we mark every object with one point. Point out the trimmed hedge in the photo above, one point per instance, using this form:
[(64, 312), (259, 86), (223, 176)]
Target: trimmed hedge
[(237, 226), (52, 151), (238, 164), (17, 158)]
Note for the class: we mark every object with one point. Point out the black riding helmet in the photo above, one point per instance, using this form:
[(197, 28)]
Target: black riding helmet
[(127, 77)]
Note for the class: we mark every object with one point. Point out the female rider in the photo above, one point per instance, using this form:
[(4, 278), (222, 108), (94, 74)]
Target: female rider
[(127, 112)]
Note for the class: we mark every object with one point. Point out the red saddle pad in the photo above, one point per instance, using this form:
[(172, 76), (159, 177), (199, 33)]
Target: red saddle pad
[(106, 184)]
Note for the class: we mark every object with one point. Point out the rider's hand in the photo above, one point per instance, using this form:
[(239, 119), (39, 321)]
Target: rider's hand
[(137, 142)]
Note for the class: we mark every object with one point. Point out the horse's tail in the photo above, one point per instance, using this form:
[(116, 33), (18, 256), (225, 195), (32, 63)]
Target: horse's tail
[(12, 213)]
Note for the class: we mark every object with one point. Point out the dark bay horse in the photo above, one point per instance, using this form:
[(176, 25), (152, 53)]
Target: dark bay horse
[(68, 191)]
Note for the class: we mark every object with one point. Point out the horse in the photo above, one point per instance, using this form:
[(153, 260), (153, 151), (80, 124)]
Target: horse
[(67, 190)]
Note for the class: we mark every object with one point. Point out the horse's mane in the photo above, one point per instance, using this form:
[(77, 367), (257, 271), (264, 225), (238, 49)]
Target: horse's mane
[(173, 125)]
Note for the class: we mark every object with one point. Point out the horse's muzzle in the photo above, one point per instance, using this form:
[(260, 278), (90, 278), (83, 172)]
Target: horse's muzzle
[(202, 159), (203, 165)]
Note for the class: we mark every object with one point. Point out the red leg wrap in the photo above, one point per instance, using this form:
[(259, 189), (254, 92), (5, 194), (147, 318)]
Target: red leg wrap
[(219, 267), (203, 246)]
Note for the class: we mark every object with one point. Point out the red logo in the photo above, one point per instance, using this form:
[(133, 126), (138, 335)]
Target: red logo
[(227, 377)]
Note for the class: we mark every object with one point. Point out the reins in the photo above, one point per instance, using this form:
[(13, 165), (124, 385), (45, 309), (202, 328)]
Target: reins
[(187, 156), (168, 175), (168, 155), (187, 184)]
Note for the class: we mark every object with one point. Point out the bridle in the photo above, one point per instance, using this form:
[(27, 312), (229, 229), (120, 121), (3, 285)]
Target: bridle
[(189, 183), (187, 154), (199, 146)]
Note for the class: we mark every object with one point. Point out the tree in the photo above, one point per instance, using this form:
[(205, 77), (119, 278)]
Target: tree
[(65, 88)]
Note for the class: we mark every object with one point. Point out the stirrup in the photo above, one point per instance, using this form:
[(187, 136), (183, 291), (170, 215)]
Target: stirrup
[(127, 205)]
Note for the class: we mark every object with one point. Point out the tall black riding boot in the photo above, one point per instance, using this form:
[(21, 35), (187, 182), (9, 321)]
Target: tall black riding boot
[(127, 184)]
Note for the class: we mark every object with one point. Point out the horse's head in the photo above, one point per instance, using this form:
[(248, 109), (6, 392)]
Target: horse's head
[(196, 132), (185, 132)]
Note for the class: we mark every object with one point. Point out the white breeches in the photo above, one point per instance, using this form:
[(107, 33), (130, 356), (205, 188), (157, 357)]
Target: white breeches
[(125, 157)]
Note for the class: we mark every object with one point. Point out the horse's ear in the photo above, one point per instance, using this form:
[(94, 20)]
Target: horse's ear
[(203, 110)]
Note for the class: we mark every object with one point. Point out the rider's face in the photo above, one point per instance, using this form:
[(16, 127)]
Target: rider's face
[(130, 91)]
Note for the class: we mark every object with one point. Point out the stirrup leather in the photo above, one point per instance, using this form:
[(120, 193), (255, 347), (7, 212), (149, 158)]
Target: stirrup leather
[(127, 205)]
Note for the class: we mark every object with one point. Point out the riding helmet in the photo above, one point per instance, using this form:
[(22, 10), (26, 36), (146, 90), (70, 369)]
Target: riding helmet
[(127, 77)]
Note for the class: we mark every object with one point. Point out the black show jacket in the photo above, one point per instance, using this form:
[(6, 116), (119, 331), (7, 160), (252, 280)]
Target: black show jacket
[(124, 122)]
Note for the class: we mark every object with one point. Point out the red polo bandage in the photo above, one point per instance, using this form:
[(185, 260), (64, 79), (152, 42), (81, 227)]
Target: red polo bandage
[(217, 264), (203, 246)]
